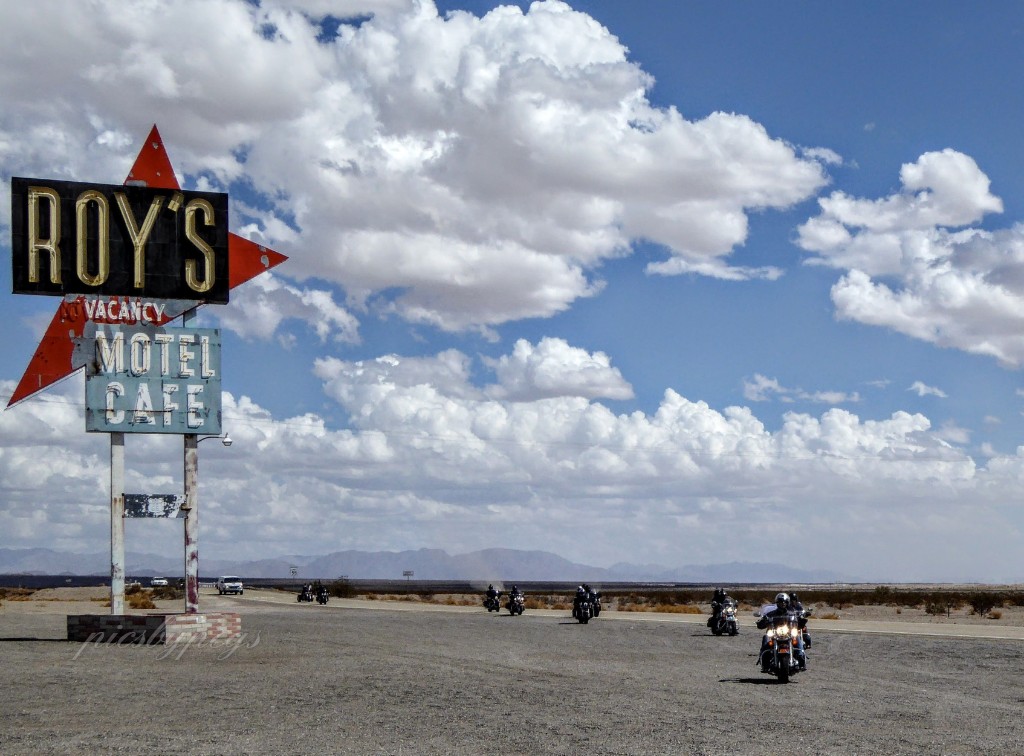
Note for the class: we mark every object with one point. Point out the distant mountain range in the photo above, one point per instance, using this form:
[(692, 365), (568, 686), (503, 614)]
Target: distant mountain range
[(425, 564)]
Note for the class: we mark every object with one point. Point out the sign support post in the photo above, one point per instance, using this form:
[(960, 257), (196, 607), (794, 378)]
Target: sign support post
[(117, 523), (191, 506)]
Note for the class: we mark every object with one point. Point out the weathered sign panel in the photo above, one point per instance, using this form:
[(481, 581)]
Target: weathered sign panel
[(154, 505), (113, 240), (144, 379)]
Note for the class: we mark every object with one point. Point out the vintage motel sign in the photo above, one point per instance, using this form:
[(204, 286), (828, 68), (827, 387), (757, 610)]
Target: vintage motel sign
[(107, 239), (141, 379)]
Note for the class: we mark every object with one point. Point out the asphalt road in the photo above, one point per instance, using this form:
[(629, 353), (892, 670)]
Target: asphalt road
[(335, 679)]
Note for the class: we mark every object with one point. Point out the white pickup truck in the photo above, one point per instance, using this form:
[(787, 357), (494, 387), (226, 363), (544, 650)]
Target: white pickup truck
[(229, 584)]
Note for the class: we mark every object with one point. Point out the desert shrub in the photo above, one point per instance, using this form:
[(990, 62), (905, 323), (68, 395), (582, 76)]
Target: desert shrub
[(995, 614), (936, 607), (1015, 598), (168, 592), (341, 589), (460, 601), (372, 597), (139, 600), (829, 616), (677, 609), (984, 603), (16, 594)]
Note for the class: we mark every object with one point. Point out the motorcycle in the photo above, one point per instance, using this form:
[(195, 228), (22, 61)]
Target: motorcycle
[(493, 603), (582, 610), (321, 596), (782, 653), (724, 620), (516, 604), (595, 604), (306, 594)]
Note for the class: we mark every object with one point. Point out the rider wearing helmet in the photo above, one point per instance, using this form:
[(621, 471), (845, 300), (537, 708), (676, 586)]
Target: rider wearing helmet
[(718, 600), (783, 606)]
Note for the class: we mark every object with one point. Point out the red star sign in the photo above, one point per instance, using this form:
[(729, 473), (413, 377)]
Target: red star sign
[(52, 359)]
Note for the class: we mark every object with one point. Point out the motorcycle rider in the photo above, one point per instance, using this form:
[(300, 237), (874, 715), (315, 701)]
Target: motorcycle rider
[(581, 596), (718, 601), (783, 606), (492, 592), (805, 637)]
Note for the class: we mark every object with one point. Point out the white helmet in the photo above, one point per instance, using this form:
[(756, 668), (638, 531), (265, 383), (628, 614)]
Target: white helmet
[(782, 600)]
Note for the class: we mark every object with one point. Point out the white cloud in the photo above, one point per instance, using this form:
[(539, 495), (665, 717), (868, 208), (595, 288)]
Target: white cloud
[(914, 265), (922, 389), (430, 460), (553, 368), (258, 308), (464, 171), (762, 389)]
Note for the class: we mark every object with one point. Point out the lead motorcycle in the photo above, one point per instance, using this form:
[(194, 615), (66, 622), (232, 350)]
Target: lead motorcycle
[(516, 603), (321, 596), (306, 594), (724, 621), (782, 650), (582, 609)]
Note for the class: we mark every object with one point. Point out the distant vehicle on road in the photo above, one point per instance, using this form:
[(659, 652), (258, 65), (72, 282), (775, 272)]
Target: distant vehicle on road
[(158, 582), (229, 584)]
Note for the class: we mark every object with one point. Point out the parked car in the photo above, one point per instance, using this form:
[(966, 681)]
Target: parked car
[(229, 584), (157, 582)]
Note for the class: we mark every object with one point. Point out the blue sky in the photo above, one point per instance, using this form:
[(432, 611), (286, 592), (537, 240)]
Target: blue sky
[(694, 273)]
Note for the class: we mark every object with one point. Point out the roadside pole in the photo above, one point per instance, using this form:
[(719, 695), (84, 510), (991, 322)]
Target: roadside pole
[(117, 523), (191, 507)]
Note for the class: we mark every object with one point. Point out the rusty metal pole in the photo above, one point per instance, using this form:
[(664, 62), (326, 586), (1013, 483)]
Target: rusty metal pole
[(117, 523), (191, 507)]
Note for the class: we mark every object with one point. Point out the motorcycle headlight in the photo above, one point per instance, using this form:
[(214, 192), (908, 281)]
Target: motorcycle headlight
[(782, 629), (793, 631), (771, 632)]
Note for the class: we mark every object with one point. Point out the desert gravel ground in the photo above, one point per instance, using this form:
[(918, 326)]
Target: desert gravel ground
[(401, 678)]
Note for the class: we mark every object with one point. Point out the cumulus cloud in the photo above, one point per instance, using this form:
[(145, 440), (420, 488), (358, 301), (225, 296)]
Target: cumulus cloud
[(916, 263), (428, 459), (554, 368), (459, 171)]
